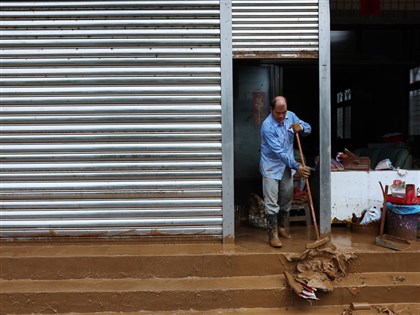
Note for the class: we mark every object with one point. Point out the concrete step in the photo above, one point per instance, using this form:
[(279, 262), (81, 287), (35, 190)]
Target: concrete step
[(173, 261), (152, 278), (197, 293), (137, 262), (397, 308)]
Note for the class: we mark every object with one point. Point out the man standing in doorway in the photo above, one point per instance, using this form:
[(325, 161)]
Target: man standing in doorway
[(278, 165)]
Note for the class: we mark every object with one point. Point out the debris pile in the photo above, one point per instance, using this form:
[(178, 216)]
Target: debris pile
[(256, 215), (317, 268), (256, 211)]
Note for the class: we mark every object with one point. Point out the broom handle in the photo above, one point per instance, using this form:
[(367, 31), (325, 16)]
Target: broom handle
[(383, 212), (311, 204)]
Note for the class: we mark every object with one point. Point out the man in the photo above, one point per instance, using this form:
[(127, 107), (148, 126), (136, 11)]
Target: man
[(278, 165)]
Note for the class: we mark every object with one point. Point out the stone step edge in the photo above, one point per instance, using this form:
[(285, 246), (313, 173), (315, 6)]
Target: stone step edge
[(168, 250), (205, 265), (353, 280), (412, 308), (130, 295)]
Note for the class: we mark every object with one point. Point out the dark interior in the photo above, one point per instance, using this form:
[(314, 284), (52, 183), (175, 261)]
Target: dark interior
[(370, 69)]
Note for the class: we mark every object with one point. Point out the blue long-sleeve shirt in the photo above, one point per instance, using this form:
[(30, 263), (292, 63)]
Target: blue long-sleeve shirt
[(277, 145)]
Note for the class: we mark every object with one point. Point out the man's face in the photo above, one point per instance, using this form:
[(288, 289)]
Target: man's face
[(279, 111)]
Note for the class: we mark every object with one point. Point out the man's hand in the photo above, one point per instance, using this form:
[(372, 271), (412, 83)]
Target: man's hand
[(304, 171), (296, 127)]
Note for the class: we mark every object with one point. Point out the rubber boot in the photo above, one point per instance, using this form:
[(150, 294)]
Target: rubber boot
[(284, 224), (272, 229)]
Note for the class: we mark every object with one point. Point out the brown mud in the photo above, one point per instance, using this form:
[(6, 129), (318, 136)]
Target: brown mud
[(86, 268)]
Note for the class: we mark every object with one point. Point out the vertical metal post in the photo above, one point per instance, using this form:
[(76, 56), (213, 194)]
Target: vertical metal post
[(324, 117), (227, 121)]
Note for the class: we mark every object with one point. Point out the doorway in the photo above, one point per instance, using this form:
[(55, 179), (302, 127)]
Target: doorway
[(255, 84)]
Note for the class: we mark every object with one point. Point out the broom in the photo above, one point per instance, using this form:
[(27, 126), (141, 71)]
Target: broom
[(318, 241)]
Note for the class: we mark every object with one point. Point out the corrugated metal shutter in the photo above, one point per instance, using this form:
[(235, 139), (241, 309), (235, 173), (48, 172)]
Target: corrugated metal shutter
[(280, 29), (111, 119)]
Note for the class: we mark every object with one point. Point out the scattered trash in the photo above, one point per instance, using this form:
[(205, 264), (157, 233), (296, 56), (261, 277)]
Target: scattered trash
[(370, 215), (397, 188), (301, 289), (398, 279), (398, 183), (354, 291), (336, 165), (359, 306), (341, 156), (317, 280), (384, 165), (256, 214)]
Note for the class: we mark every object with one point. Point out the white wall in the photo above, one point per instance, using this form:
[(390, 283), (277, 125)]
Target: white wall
[(353, 191)]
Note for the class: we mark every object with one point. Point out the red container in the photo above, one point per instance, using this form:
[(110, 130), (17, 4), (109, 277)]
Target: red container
[(410, 197)]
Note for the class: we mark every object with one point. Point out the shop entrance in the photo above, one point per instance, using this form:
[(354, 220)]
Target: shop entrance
[(255, 84)]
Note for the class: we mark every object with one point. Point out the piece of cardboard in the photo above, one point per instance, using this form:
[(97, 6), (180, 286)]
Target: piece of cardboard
[(360, 163)]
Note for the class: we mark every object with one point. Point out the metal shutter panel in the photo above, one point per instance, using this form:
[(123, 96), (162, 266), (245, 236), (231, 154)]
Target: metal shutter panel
[(280, 29), (111, 119)]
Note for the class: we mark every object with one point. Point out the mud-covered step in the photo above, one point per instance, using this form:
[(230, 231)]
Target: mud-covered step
[(375, 287), (388, 261), (199, 293), (119, 266), (176, 261), (99, 295), (397, 308)]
